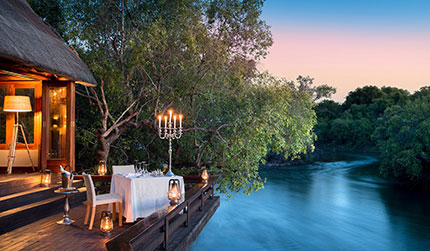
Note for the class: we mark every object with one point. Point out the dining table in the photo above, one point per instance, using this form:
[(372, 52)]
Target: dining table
[(142, 194)]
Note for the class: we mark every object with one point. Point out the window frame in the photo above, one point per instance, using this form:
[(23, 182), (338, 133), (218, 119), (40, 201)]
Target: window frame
[(37, 115)]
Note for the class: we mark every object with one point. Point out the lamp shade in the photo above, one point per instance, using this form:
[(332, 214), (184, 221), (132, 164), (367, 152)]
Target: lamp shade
[(17, 104)]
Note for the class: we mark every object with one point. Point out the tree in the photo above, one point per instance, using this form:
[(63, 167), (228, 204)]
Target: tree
[(353, 125), (51, 12), (326, 111), (316, 92), (362, 96), (403, 136), (137, 56), (198, 57)]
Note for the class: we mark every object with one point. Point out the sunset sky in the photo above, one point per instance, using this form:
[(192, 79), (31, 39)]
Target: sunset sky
[(350, 43)]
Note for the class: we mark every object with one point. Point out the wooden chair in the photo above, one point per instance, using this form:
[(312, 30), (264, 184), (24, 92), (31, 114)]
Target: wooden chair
[(95, 200), (123, 169)]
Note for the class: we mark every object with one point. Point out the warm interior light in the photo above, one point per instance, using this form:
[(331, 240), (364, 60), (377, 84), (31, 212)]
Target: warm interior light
[(106, 223), (205, 175), (102, 170), (45, 179), (17, 104)]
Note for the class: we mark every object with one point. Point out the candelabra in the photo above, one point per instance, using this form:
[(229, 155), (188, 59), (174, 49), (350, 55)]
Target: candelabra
[(170, 132)]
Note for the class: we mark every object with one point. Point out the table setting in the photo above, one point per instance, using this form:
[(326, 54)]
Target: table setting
[(143, 192)]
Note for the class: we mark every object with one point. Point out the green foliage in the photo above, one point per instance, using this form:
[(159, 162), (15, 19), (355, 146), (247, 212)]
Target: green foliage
[(51, 12), (198, 57), (388, 118), (351, 124), (273, 115), (403, 136)]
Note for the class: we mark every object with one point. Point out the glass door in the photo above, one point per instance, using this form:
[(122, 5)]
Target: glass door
[(57, 123)]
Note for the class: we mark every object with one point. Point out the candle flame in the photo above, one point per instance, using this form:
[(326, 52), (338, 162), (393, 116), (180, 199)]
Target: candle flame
[(174, 193)]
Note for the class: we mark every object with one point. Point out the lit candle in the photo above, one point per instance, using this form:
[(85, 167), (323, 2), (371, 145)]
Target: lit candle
[(165, 121), (159, 121), (180, 121), (174, 121), (170, 116)]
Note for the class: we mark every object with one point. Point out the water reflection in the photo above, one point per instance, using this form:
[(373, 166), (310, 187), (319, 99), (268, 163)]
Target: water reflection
[(337, 205)]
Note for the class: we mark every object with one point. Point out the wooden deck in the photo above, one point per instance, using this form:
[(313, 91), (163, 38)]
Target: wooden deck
[(172, 228), (45, 234)]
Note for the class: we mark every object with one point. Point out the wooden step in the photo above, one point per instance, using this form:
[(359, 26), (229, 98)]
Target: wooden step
[(30, 196), (18, 183), (23, 215)]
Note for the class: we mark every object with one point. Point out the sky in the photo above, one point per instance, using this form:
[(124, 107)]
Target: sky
[(350, 43)]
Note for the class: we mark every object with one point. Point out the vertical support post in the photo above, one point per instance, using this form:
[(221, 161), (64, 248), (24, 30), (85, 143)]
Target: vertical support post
[(166, 233), (212, 192), (187, 223), (43, 155), (71, 124), (201, 200)]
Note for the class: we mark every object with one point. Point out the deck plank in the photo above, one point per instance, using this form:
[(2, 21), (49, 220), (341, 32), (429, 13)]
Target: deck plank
[(45, 234)]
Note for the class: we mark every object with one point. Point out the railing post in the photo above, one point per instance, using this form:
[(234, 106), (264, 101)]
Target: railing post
[(187, 222), (166, 233), (201, 200)]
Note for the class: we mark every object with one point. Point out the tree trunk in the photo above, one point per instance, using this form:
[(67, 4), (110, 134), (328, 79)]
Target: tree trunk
[(104, 148)]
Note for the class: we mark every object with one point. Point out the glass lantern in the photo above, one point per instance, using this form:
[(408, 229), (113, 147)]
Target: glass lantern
[(102, 170), (174, 193), (45, 178), (205, 175), (106, 223)]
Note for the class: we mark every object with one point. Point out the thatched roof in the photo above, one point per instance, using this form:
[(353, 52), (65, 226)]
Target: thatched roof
[(27, 40)]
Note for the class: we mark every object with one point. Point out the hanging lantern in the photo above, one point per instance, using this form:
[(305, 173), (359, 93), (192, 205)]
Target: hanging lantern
[(106, 223), (102, 170), (205, 175), (174, 193), (45, 178)]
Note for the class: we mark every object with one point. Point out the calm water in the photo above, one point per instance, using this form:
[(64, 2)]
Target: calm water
[(336, 205)]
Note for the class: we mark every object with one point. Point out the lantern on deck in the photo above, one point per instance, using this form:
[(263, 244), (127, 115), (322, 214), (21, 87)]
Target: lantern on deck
[(102, 170), (205, 175), (106, 223), (174, 193), (45, 178)]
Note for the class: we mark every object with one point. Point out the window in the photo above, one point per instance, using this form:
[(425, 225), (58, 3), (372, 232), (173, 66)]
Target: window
[(30, 121), (26, 119)]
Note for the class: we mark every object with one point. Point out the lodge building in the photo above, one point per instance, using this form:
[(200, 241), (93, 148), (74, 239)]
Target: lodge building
[(36, 62)]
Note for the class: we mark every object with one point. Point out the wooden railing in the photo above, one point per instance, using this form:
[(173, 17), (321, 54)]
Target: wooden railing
[(155, 232)]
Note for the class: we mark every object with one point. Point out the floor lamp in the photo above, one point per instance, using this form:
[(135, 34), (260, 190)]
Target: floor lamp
[(17, 104)]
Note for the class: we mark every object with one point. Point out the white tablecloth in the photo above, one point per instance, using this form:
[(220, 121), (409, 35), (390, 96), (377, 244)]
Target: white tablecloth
[(142, 196)]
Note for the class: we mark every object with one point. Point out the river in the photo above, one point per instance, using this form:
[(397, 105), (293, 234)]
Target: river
[(339, 204)]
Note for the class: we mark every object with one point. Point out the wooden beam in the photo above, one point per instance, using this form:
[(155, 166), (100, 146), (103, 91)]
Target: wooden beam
[(23, 74), (70, 146)]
